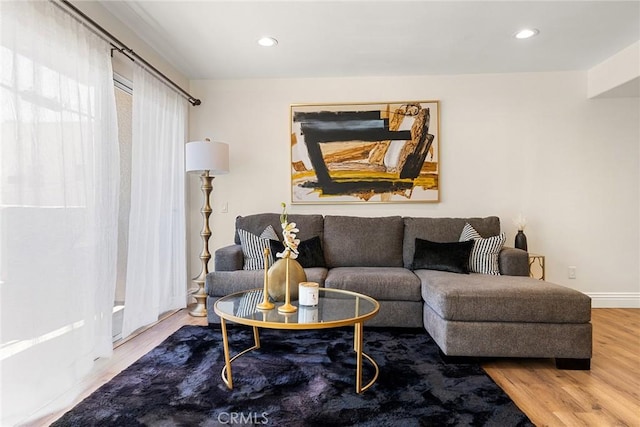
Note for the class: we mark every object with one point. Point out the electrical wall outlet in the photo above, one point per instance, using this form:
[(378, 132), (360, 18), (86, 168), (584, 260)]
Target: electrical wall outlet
[(572, 272)]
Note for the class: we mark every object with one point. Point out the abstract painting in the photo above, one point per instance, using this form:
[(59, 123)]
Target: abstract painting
[(365, 153)]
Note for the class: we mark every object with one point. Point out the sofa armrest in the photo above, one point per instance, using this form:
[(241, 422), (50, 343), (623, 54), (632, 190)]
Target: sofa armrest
[(514, 262), (229, 258)]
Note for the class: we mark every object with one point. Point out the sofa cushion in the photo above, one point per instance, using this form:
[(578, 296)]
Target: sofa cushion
[(316, 274), (362, 241), (442, 230), (483, 298), (381, 283), (453, 256), (231, 258), (309, 225), (221, 283)]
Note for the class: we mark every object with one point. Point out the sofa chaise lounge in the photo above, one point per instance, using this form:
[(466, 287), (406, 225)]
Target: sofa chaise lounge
[(505, 314)]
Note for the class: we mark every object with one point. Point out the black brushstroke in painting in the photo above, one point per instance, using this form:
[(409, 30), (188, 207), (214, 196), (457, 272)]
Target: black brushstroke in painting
[(325, 127)]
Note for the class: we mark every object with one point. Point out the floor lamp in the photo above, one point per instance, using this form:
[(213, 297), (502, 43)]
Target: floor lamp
[(207, 158)]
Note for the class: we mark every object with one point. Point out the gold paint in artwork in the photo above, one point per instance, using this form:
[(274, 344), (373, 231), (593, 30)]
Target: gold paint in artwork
[(344, 161)]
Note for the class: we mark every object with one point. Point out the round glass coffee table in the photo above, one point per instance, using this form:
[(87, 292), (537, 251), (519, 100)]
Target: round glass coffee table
[(336, 308)]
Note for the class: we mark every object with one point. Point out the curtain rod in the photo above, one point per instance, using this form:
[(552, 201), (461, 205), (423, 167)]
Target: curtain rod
[(129, 53)]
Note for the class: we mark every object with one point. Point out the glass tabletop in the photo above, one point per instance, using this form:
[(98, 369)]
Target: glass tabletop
[(335, 308)]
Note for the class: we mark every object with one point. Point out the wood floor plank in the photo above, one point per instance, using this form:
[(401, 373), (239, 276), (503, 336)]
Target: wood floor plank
[(607, 395)]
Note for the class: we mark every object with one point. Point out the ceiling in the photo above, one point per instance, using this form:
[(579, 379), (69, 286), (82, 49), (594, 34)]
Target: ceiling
[(217, 39)]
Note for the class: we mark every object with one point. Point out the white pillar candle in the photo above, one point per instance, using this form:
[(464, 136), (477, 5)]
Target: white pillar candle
[(308, 293), (308, 314)]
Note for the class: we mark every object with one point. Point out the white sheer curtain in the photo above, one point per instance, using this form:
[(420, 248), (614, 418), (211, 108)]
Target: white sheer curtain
[(156, 264), (58, 204)]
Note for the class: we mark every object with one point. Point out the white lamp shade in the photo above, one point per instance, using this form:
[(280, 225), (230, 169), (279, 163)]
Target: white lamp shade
[(207, 156)]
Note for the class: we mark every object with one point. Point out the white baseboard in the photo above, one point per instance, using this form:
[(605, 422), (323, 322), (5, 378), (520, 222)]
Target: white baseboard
[(614, 299)]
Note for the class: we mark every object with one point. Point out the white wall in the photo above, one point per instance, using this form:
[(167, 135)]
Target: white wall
[(121, 64), (530, 143), (616, 76)]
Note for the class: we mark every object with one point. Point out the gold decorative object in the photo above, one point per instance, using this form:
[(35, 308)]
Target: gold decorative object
[(292, 269), (287, 307), (266, 304), (277, 277), (536, 266), (200, 309), (343, 302)]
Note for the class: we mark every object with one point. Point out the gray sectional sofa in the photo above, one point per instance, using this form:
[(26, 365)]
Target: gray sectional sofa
[(469, 315)]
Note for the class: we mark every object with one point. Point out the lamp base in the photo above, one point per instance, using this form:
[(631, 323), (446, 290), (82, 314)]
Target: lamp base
[(200, 309), (200, 295)]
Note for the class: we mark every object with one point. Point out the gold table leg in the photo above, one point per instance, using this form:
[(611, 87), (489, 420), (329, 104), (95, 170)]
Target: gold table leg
[(358, 338), (228, 379), (357, 344), (256, 338), (226, 370)]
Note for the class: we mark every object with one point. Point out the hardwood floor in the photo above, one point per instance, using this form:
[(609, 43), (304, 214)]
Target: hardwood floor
[(607, 395)]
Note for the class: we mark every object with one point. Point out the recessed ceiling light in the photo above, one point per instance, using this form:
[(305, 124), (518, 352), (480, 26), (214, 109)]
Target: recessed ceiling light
[(267, 41), (526, 33)]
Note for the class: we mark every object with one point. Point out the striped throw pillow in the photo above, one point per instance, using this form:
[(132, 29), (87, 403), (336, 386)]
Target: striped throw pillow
[(253, 248), (485, 252), (469, 233)]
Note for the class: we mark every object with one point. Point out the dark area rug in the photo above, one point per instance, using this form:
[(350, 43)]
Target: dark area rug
[(297, 378)]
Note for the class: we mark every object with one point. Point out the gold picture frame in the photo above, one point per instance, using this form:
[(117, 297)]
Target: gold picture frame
[(386, 152)]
